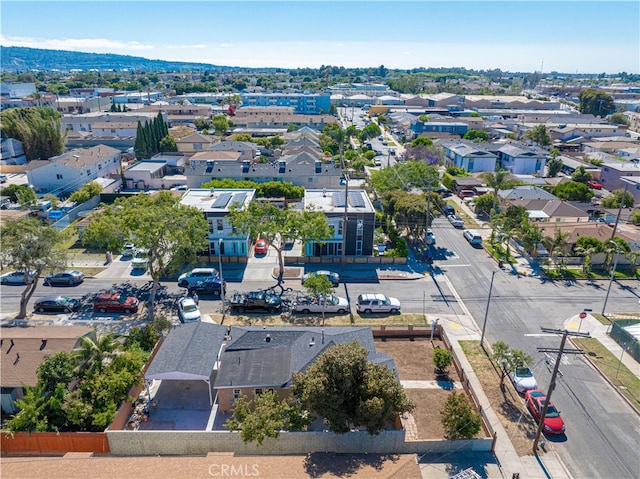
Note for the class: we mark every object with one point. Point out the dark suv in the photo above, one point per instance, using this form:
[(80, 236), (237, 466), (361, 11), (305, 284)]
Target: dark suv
[(208, 286)]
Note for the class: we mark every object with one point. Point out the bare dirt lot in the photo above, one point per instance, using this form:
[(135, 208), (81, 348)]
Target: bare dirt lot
[(414, 360)]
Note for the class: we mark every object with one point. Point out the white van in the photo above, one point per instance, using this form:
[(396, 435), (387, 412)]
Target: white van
[(196, 275), (472, 236)]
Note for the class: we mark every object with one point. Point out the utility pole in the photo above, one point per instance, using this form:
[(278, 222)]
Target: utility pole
[(552, 383), (613, 274), (615, 226), (486, 312)]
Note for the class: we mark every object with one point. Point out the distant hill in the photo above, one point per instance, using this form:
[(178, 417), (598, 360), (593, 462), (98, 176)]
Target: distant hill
[(25, 59)]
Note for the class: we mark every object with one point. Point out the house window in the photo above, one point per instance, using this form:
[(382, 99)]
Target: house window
[(219, 224), (236, 393), (100, 167), (197, 146), (340, 228), (88, 172), (210, 221), (258, 391), (58, 176), (271, 390)]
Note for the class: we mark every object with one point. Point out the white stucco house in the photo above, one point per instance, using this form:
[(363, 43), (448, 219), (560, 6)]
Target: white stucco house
[(70, 171)]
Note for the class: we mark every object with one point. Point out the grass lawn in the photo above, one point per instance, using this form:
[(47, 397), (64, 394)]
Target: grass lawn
[(611, 367)]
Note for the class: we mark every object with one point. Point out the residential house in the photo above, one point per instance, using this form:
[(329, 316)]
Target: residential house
[(616, 175), (581, 132), (439, 128), (258, 359), (24, 349), (277, 118), (519, 158), (113, 128), (85, 122), (551, 210), (468, 155), (248, 151), (163, 171), (595, 229), (190, 352), (68, 172), (215, 204), (523, 193), (358, 232), (195, 143), (12, 152)]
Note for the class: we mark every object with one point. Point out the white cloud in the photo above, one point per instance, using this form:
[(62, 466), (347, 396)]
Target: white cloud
[(95, 45), (226, 45), (186, 47)]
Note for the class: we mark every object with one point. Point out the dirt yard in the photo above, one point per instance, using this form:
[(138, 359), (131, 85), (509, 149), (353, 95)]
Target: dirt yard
[(505, 401), (414, 360)]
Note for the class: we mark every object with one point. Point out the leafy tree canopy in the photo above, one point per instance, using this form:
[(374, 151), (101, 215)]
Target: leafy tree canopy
[(619, 118), (350, 392), (459, 419), (595, 102), (616, 198), (270, 189), (421, 140), (404, 176), (86, 192), (581, 175), (573, 191), (476, 135), (38, 128), (539, 134)]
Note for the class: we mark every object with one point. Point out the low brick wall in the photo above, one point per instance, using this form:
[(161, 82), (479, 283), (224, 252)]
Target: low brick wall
[(134, 443)]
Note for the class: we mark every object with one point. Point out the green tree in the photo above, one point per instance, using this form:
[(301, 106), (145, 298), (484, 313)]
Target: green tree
[(484, 203), (292, 127), (495, 181), (554, 165), (86, 192), (530, 236), (573, 191), (168, 143), (421, 140), (173, 233), (476, 135), (442, 360), (265, 416), (350, 392), (556, 245), (264, 220), (619, 118), (220, 124), (581, 175), (587, 246), (319, 287), (508, 359), (28, 245), (55, 201), (38, 128), (539, 134), (26, 197), (371, 130), (616, 198), (459, 419), (56, 369), (595, 102), (634, 219), (403, 176)]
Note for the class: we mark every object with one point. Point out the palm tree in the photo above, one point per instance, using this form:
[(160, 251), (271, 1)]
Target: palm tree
[(556, 244), (495, 180), (99, 353), (587, 252), (530, 236)]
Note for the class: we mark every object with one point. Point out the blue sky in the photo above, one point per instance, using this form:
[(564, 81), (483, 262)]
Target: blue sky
[(513, 35)]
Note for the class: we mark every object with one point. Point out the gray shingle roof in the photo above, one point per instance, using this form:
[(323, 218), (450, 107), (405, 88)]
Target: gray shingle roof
[(251, 360), (189, 351)]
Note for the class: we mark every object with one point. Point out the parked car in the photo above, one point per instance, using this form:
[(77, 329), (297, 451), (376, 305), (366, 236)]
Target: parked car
[(456, 221), (522, 379), (449, 210), (466, 194), (17, 277), (377, 303), (197, 274), (553, 423), (68, 277), (255, 301), (128, 250), (472, 236), (56, 304), (329, 303), (594, 184), (208, 286), (140, 259), (188, 310), (330, 275), (261, 246), (115, 303)]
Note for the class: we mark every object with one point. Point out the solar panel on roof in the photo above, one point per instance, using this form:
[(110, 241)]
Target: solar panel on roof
[(338, 198), (239, 198), (356, 199), (222, 200)]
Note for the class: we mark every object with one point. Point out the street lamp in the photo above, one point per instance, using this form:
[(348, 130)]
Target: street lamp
[(613, 273), (221, 277)]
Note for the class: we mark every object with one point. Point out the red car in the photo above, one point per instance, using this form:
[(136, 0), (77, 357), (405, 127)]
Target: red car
[(261, 246), (115, 302), (594, 184), (553, 423)]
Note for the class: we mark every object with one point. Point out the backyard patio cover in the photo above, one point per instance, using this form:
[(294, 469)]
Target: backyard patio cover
[(189, 352)]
